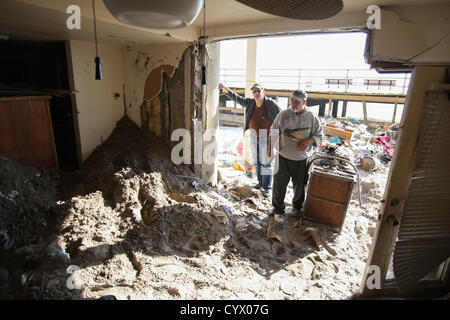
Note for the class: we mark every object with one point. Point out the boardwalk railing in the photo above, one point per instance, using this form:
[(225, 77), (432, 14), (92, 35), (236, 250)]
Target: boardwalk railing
[(337, 80), (235, 114)]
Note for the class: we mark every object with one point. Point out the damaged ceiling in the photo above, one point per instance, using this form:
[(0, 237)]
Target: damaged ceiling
[(46, 20)]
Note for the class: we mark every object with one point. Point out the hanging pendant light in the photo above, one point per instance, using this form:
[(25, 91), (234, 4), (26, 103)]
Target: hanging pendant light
[(155, 14), (98, 61)]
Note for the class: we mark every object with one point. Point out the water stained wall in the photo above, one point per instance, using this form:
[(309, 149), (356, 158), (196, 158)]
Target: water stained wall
[(172, 97), (139, 62)]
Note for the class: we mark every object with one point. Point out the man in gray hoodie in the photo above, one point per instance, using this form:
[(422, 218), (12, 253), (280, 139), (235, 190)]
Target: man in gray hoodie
[(297, 130)]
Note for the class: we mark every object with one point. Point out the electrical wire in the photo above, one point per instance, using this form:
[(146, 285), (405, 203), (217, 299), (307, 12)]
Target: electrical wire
[(95, 29), (204, 21)]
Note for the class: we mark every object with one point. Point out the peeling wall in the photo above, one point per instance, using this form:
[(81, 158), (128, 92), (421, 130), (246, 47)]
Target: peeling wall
[(138, 62), (179, 101), (98, 108), (156, 112), (176, 89), (169, 99)]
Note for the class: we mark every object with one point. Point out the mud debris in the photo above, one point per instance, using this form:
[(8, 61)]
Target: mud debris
[(137, 228)]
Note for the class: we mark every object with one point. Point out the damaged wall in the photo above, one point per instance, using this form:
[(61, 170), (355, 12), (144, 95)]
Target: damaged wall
[(98, 108), (156, 108), (160, 93), (169, 97), (415, 34), (138, 62), (177, 101)]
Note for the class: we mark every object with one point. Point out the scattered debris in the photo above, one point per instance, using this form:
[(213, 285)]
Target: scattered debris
[(138, 226), (312, 233), (288, 286), (244, 192), (272, 235), (329, 249), (220, 215), (238, 166), (369, 163), (251, 203)]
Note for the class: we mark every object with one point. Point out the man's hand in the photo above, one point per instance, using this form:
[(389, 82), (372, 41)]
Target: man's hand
[(223, 87), (302, 146)]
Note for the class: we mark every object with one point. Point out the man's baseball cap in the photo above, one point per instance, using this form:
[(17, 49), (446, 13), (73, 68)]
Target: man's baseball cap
[(299, 95), (258, 86)]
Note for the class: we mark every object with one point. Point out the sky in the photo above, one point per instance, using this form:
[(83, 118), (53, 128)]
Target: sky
[(321, 51)]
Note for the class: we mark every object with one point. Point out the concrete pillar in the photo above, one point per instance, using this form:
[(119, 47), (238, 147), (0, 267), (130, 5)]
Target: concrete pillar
[(209, 170), (250, 78), (187, 90)]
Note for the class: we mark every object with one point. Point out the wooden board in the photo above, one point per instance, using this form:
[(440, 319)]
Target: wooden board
[(26, 132), (326, 212), (329, 188), (337, 132)]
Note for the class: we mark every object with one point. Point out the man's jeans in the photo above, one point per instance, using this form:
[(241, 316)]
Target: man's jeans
[(259, 147)]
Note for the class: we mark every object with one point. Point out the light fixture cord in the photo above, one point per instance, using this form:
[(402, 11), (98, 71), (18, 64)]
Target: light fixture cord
[(95, 29), (204, 21)]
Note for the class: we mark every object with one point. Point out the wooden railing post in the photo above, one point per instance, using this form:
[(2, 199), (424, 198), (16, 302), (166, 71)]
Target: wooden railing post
[(330, 105), (344, 109), (364, 109), (395, 113)]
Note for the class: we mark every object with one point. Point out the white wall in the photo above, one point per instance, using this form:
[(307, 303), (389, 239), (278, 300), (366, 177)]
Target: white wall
[(98, 110), (209, 171)]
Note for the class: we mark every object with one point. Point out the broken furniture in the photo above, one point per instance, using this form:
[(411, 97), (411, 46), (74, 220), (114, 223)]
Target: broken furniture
[(329, 192), (335, 131)]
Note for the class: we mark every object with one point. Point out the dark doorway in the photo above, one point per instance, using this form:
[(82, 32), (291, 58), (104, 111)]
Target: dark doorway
[(36, 68)]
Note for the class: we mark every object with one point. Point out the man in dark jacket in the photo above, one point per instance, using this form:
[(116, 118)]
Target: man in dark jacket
[(260, 112)]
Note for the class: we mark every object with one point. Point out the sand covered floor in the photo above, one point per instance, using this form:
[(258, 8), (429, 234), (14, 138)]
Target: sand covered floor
[(134, 225)]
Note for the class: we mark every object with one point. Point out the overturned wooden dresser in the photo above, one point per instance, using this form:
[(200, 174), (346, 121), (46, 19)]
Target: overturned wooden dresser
[(328, 196)]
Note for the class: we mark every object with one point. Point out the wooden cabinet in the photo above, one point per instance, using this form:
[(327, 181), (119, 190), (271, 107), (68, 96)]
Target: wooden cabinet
[(328, 196), (26, 131)]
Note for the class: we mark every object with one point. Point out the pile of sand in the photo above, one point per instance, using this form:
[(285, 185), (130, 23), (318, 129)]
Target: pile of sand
[(136, 226)]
